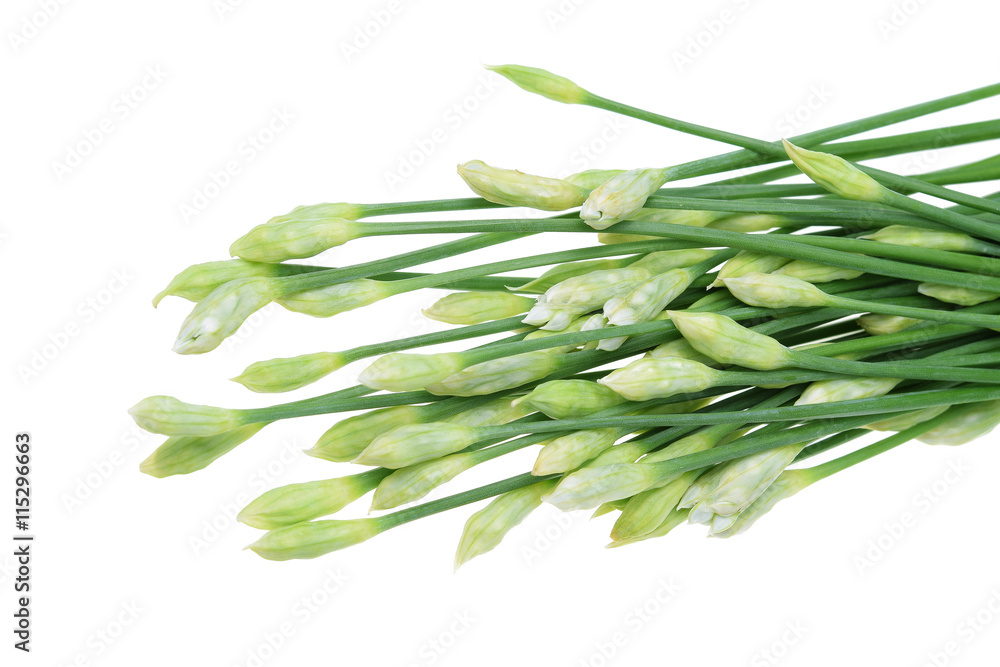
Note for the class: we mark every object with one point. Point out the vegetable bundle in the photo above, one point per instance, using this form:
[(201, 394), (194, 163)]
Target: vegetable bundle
[(682, 368)]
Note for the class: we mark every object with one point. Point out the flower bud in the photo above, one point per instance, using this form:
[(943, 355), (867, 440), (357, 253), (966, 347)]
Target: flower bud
[(339, 211), (220, 314), (769, 290), (593, 323), (477, 307), (665, 260), (786, 485), (730, 487), (879, 325), (681, 349), (970, 421), (312, 539), (340, 298), (645, 379), (747, 261), (542, 82), (514, 188), (570, 451), (751, 222), (835, 174), (398, 371), (183, 454), (412, 483), (561, 272), (498, 374), (296, 239), (198, 281), (903, 421), (486, 528), (347, 438), (674, 519), (727, 342), (649, 299), (288, 373), (813, 272), (492, 413), (294, 503), (647, 510), (567, 399), (620, 197), (592, 178), (591, 290), (963, 296), (916, 237), (168, 416), (831, 391), (415, 443), (588, 487), (676, 216)]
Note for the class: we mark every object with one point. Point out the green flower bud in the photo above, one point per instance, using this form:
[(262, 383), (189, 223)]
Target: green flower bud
[(813, 272), (168, 416), (879, 325), (498, 374), (183, 454), (611, 238), (836, 174), (220, 314), (646, 511), (492, 413), (334, 299), (561, 272), (647, 378), (294, 503), (340, 211), (514, 188), (905, 420), (924, 238), (681, 349), (570, 451), (477, 307), (412, 483), (620, 197), (542, 82), (674, 519), (746, 262), (963, 296), (665, 260), (608, 508), (649, 299), (486, 528), (591, 290), (751, 222), (786, 485), (592, 178), (731, 487), (770, 290), (830, 391), (588, 487), (727, 342), (347, 438), (198, 281), (398, 371), (970, 421), (312, 539), (415, 443), (566, 399), (296, 239), (288, 373), (671, 216)]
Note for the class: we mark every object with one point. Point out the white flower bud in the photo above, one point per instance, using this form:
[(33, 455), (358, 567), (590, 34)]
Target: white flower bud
[(398, 371), (786, 485), (813, 272), (751, 222), (727, 342), (340, 298), (836, 174), (916, 237), (168, 416), (415, 443), (729, 488), (645, 379), (339, 211), (903, 421), (567, 399), (498, 374), (592, 290), (592, 178), (970, 421), (220, 314), (769, 290), (295, 239), (879, 325), (570, 451), (412, 483), (747, 261), (492, 413), (561, 272), (648, 299), (477, 307), (588, 487), (831, 391), (198, 281), (620, 197), (680, 349), (514, 188), (486, 528), (962, 296)]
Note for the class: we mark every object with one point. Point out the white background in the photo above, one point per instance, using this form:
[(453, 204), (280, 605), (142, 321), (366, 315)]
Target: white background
[(116, 546)]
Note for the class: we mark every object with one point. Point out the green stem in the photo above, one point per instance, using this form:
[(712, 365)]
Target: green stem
[(888, 308), (893, 369)]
